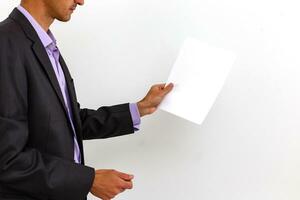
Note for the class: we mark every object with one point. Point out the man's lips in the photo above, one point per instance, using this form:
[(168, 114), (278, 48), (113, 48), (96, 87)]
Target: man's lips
[(73, 8)]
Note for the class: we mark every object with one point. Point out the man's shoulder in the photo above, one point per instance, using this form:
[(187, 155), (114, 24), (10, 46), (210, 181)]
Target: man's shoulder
[(10, 30)]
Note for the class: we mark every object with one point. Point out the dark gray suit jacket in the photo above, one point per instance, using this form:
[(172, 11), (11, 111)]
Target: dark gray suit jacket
[(36, 138)]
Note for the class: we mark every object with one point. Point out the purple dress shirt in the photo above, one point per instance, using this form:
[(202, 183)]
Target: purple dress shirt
[(49, 42)]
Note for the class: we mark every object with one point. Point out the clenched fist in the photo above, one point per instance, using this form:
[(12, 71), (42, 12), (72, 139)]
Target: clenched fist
[(109, 183)]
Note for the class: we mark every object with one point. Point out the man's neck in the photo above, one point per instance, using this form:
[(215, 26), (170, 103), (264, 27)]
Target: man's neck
[(39, 12)]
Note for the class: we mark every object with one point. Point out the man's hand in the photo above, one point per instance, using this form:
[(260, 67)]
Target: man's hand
[(154, 97), (108, 183)]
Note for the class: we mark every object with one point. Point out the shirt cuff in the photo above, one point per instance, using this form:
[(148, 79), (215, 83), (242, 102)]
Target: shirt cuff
[(135, 116)]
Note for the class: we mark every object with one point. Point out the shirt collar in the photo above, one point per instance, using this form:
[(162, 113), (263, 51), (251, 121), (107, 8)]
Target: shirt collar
[(47, 38)]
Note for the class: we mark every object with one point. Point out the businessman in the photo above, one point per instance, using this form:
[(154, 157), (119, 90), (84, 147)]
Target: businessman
[(41, 123)]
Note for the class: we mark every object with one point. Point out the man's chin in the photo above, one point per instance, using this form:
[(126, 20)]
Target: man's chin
[(64, 19)]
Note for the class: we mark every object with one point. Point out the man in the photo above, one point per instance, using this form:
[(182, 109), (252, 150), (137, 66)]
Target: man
[(41, 123)]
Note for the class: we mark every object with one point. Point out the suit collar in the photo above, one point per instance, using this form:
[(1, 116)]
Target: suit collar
[(29, 31), (46, 38)]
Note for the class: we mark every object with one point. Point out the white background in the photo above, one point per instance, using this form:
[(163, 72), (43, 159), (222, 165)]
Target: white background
[(247, 148)]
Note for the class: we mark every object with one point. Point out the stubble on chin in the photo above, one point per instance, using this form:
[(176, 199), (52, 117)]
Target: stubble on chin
[(65, 18)]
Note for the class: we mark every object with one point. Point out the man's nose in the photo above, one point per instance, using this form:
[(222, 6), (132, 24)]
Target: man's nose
[(79, 2)]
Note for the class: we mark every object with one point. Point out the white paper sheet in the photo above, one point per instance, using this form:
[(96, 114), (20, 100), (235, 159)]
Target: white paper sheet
[(198, 76)]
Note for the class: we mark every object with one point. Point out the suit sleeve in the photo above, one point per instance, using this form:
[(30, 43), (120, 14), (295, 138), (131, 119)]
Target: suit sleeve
[(106, 122), (23, 169)]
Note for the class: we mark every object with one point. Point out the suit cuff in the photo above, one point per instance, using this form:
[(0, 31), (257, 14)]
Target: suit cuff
[(135, 116)]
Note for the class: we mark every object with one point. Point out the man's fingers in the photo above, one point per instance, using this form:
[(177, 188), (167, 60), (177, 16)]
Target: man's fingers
[(127, 185), (168, 88), (159, 86), (152, 109), (124, 176), (106, 198)]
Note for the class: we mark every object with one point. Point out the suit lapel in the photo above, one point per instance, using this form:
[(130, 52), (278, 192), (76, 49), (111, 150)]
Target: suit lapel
[(43, 58)]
